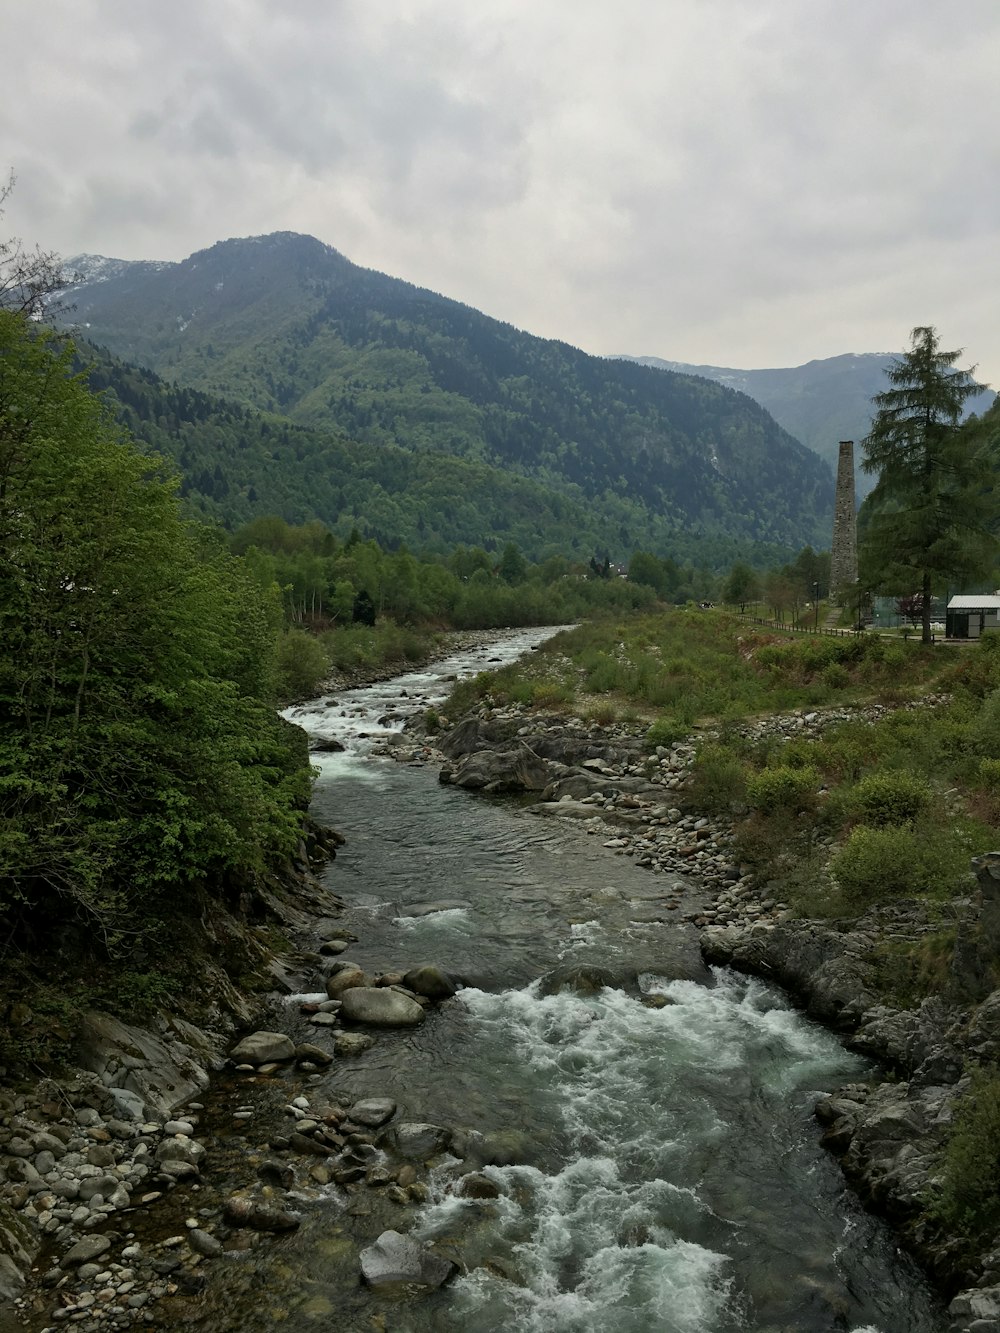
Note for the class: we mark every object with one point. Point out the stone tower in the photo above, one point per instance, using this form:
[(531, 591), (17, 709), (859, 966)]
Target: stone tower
[(844, 551)]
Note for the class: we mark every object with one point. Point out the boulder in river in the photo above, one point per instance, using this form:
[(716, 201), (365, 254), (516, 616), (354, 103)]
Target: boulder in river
[(514, 769), (397, 1258), (261, 1048), (431, 981), (380, 1007)]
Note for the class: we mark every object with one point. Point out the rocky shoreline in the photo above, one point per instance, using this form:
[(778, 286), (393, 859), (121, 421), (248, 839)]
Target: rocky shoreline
[(84, 1161)]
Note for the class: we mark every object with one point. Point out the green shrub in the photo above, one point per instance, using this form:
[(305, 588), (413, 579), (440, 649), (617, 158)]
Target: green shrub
[(836, 676), (989, 774), (891, 798), (877, 864), (782, 788), (302, 664), (665, 730), (970, 1196), (719, 778), (907, 971)]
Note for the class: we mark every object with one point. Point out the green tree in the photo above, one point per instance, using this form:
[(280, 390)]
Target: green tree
[(140, 755), (742, 586), (513, 567), (931, 503)]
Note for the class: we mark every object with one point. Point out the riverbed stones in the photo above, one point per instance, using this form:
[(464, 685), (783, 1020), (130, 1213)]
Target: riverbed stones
[(381, 1007), (398, 1258), (261, 1048)]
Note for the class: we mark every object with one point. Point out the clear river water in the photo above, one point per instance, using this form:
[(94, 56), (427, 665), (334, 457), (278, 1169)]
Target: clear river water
[(668, 1177)]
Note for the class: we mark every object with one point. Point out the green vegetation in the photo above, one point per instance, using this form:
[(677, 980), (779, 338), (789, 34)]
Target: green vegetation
[(931, 508), (970, 1195), (620, 455), (692, 665), (143, 769)]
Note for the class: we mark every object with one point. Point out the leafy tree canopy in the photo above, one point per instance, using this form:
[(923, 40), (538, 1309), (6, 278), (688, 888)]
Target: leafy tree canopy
[(140, 756)]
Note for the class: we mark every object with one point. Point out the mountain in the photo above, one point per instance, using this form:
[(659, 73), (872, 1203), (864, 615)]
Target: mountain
[(820, 403), (238, 463), (289, 327)]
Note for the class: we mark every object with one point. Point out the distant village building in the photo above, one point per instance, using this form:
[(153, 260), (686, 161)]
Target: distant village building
[(971, 613), (844, 550)]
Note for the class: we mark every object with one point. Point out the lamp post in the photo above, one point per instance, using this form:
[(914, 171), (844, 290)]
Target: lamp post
[(816, 605)]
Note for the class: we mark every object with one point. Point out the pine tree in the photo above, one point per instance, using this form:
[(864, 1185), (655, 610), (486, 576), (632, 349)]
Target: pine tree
[(933, 499)]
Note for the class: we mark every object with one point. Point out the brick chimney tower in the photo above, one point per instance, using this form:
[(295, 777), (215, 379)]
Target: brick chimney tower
[(844, 551)]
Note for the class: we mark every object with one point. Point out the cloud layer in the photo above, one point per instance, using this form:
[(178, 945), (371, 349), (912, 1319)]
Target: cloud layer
[(704, 180)]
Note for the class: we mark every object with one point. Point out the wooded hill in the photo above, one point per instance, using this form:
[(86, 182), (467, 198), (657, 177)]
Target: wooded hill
[(401, 382), (820, 403)]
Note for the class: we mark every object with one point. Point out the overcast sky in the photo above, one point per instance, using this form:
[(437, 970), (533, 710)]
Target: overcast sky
[(734, 182)]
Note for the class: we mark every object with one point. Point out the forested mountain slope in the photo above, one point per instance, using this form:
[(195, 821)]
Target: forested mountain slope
[(289, 326), (820, 403), (238, 463)]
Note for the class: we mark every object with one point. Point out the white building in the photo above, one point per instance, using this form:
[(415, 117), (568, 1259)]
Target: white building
[(971, 613)]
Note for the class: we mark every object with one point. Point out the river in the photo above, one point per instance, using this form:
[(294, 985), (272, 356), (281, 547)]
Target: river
[(666, 1175)]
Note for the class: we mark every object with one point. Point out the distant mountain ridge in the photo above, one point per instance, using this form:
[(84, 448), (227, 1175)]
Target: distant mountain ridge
[(288, 326), (820, 403)]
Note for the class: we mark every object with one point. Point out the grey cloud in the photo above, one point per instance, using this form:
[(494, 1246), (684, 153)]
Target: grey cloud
[(748, 184)]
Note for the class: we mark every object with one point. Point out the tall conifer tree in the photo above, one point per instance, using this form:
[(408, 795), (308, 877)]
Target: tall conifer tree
[(933, 499)]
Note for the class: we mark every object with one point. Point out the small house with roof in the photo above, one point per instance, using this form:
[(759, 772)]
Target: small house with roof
[(970, 614)]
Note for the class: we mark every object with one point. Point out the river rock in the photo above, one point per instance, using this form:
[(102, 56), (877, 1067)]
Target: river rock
[(204, 1243), (380, 1007), (352, 1043), (260, 1048), (307, 1052), (85, 1250), (476, 1186), (145, 1072), (516, 769), (419, 1140), (373, 1111), (397, 1258), (344, 977), (431, 981), (243, 1212)]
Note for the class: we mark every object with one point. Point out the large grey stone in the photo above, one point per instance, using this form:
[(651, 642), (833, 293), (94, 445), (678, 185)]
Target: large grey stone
[(419, 1140), (373, 1111), (380, 1007), (90, 1247), (397, 1258), (261, 1048)]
